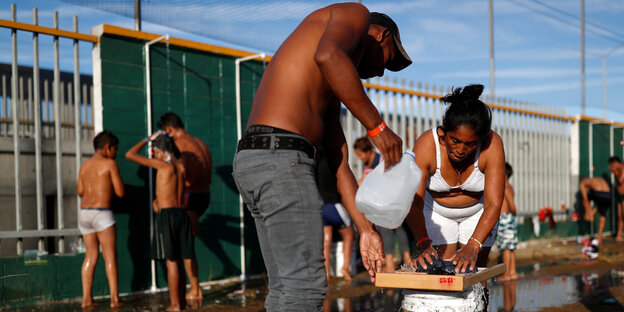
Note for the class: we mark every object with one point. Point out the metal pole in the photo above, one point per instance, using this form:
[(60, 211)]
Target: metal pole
[(56, 90), (77, 120), (239, 133), (137, 15), (582, 57), (604, 85), (491, 11), (148, 91), (16, 136), (37, 120)]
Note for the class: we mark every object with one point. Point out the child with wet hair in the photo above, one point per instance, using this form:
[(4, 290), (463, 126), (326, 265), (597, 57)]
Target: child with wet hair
[(173, 227), (98, 181)]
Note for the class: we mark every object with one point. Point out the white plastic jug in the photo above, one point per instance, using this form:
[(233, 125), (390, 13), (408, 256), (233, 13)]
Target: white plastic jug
[(385, 196)]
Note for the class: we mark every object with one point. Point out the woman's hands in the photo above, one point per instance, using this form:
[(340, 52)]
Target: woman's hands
[(424, 256), (466, 257)]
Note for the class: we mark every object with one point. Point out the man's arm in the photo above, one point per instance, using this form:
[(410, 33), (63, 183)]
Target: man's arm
[(346, 30), (133, 155), (371, 246)]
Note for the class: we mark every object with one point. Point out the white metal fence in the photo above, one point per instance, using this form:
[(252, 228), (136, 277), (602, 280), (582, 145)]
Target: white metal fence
[(62, 113), (536, 138)]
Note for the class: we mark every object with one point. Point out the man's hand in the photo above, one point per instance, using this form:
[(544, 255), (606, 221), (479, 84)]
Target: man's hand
[(371, 248), (390, 145)]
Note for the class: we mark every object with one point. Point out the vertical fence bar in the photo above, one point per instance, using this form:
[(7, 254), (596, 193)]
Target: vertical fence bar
[(22, 108), (426, 118), (37, 121), (5, 127), (56, 90), (77, 121), (419, 100), (403, 117), (46, 106), (411, 129), (16, 139), (395, 109)]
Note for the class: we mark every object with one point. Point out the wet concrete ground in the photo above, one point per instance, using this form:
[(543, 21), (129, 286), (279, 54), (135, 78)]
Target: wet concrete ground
[(553, 276)]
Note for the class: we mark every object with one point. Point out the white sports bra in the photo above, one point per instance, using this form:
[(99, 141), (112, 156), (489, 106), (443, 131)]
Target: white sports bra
[(474, 183)]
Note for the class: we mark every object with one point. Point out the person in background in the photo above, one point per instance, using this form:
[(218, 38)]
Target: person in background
[(617, 168), (174, 234), (197, 160), (334, 216), (98, 181), (507, 235), (596, 190)]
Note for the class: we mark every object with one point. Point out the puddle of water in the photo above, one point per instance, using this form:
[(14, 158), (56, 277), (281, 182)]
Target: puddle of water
[(532, 293)]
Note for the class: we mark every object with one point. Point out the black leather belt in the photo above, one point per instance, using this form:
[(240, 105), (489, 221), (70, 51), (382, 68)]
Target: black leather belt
[(280, 142)]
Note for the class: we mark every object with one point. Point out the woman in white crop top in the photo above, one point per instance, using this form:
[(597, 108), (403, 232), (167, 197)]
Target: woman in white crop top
[(461, 192)]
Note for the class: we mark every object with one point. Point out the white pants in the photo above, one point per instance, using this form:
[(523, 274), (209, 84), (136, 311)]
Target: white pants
[(449, 225)]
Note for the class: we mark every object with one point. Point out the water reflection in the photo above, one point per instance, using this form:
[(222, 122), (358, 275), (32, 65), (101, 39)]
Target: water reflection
[(532, 294)]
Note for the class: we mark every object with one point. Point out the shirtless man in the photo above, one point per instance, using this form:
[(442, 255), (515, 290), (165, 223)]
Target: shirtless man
[(197, 160), (617, 168), (596, 189), (173, 226), (297, 107), (98, 180)]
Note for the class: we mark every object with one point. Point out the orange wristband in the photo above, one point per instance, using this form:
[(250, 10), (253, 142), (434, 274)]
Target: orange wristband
[(377, 130)]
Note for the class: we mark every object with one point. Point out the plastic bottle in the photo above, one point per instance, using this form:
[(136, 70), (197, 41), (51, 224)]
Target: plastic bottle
[(385, 196)]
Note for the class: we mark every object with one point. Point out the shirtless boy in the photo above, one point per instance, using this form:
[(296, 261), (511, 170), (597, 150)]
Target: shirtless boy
[(617, 168), (197, 160), (597, 190), (173, 228), (507, 235), (98, 180), (296, 108)]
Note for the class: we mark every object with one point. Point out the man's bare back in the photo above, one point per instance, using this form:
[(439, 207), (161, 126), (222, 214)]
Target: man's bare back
[(508, 202), (595, 184), (319, 64), (98, 180), (197, 160), (170, 184)]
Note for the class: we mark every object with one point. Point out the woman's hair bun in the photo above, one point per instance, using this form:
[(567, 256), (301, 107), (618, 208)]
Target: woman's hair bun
[(472, 91)]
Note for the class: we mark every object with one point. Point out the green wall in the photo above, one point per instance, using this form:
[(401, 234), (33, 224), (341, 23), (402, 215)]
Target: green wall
[(200, 88)]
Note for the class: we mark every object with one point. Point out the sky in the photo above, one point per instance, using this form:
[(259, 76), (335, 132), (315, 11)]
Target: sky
[(536, 42)]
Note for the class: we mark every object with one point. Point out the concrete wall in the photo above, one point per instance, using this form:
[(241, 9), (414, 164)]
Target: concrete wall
[(28, 176)]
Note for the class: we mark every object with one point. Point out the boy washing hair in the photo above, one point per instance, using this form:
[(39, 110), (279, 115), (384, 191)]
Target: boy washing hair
[(174, 238)]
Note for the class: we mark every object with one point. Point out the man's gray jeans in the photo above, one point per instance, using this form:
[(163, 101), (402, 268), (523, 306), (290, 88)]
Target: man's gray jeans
[(279, 189)]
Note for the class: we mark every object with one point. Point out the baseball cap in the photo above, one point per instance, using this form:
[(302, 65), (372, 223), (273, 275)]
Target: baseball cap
[(401, 60)]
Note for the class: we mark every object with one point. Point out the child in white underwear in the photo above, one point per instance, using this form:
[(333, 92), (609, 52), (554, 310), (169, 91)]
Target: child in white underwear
[(98, 180)]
